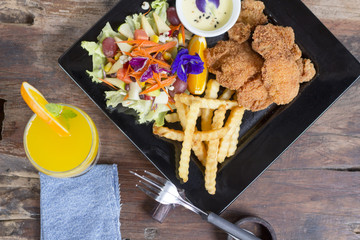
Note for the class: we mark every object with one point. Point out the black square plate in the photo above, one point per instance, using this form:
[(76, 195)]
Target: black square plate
[(265, 134)]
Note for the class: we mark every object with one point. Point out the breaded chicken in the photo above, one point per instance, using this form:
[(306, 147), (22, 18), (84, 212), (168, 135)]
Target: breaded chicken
[(233, 63), (240, 32), (306, 68), (281, 78), (253, 95), (252, 13), (296, 52), (273, 41)]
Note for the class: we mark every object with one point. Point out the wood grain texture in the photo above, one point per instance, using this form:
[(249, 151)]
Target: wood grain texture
[(311, 192)]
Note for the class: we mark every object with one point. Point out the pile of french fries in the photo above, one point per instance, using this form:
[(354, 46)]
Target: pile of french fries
[(217, 138)]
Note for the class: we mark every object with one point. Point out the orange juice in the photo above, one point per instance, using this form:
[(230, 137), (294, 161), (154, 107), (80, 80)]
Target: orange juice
[(62, 156)]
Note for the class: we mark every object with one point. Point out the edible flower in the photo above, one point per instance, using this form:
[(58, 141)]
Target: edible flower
[(138, 63), (185, 64), (201, 4)]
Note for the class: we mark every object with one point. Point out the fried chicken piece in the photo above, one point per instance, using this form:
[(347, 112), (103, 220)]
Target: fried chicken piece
[(214, 56), (274, 41), (253, 95), (296, 52), (306, 68), (252, 13), (240, 32), (233, 63), (281, 78)]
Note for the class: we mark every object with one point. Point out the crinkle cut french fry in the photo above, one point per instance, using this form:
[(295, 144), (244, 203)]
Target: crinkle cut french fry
[(168, 133), (172, 117), (206, 103), (200, 151), (213, 145), (233, 121), (233, 142), (181, 110), (227, 94), (211, 92), (177, 135), (188, 139)]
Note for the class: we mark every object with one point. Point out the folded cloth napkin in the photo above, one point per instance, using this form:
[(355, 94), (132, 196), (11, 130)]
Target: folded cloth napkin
[(84, 207)]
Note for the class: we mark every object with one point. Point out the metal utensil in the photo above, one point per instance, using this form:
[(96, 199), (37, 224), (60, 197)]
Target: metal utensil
[(166, 192)]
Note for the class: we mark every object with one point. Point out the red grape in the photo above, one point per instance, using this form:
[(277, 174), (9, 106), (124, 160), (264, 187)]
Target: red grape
[(179, 87), (172, 16), (109, 47)]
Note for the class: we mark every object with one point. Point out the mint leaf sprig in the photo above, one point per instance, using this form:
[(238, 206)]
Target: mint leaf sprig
[(58, 110)]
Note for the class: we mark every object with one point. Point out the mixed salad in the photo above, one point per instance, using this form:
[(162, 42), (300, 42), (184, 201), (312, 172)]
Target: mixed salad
[(145, 62)]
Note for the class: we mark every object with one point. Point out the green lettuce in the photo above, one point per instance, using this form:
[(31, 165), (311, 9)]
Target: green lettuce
[(98, 59), (107, 31), (134, 21), (159, 7), (142, 107), (95, 50)]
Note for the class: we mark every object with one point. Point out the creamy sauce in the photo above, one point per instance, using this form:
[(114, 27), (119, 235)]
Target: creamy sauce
[(212, 19)]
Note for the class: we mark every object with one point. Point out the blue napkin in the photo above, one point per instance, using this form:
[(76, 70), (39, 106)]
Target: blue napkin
[(84, 207)]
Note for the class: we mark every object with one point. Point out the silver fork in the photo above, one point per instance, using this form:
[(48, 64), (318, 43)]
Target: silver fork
[(166, 192)]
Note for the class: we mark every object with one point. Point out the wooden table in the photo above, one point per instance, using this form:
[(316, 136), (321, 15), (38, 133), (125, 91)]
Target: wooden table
[(311, 192)]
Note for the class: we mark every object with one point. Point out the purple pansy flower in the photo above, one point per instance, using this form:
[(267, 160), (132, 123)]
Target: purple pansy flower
[(185, 64), (201, 4)]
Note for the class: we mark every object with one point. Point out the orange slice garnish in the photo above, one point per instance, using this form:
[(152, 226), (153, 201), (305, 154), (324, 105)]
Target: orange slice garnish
[(36, 101), (197, 82)]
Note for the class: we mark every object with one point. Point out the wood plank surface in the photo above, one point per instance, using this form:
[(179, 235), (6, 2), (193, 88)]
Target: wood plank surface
[(311, 192)]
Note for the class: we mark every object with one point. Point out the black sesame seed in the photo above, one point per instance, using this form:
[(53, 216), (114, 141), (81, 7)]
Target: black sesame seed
[(215, 26), (203, 14), (199, 17), (224, 12), (207, 17), (217, 22)]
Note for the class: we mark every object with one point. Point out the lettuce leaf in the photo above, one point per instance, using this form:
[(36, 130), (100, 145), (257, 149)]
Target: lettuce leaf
[(142, 107), (160, 6), (98, 59), (114, 98), (107, 31), (134, 21), (95, 50)]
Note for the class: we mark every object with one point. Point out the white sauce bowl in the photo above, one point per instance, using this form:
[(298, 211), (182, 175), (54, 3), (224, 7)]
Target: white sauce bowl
[(213, 33)]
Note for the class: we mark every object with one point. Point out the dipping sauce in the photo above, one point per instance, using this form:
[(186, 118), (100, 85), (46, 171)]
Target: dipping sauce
[(212, 18)]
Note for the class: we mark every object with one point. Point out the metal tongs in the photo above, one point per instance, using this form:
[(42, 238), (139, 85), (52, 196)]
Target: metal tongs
[(165, 192)]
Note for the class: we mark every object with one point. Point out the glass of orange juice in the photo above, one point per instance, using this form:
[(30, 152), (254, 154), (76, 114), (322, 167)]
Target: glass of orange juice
[(56, 153)]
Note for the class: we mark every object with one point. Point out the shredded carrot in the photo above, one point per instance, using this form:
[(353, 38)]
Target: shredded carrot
[(126, 97), (161, 63), (169, 107), (157, 78), (171, 100), (157, 86), (143, 43), (147, 11), (106, 82), (127, 53), (162, 47), (127, 71), (183, 33), (174, 28), (151, 81)]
